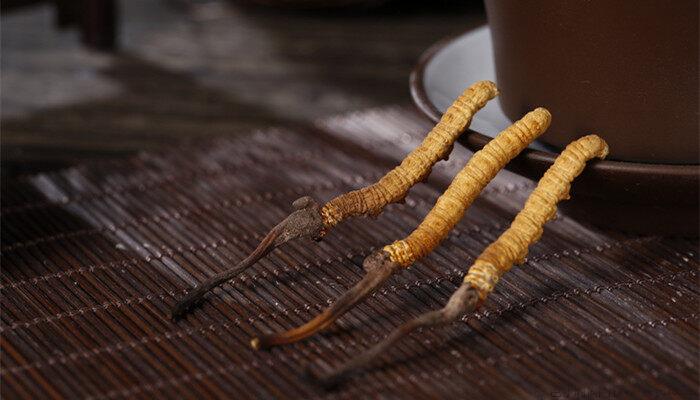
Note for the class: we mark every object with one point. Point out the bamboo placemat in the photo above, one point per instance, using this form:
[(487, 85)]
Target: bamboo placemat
[(94, 256)]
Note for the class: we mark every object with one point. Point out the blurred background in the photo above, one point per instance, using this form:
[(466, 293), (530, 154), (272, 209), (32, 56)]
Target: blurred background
[(101, 79)]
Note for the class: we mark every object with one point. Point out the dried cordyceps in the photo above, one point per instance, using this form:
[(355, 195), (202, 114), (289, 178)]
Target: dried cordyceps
[(449, 209), (394, 186), (509, 249), (313, 221)]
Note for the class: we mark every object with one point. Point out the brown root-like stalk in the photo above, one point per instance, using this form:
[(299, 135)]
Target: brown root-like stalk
[(463, 301), (379, 268), (305, 222)]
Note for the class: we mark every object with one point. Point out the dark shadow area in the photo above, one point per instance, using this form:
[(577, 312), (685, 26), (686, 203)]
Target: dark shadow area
[(237, 68)]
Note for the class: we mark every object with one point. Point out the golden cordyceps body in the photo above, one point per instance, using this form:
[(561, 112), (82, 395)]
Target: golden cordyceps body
[(310, 220), (466, 186), (448, 210), (541, 206), (417, 165), (509, 248), (313, 221)]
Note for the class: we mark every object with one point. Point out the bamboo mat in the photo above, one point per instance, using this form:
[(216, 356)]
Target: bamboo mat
[(94, 256)]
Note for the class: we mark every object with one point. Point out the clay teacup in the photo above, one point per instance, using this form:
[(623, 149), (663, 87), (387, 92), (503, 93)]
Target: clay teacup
[(627, 71)]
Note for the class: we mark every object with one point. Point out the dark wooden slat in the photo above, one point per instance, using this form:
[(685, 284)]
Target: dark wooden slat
[(92, 264)]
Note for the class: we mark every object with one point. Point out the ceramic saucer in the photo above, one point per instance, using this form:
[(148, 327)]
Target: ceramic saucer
[(636, 197)]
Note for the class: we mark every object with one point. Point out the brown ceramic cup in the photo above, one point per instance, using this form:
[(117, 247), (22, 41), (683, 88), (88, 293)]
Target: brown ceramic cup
[(625, 70)]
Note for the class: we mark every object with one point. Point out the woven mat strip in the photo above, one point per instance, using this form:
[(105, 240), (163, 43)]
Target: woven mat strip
[(94, 256)]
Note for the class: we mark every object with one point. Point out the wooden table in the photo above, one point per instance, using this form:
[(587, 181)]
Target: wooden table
[(94, 256), (189, 69)]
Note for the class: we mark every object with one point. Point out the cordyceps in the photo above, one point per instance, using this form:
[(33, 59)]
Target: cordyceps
[(509, 249), (481, 168), (313, 221)]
